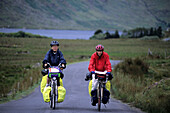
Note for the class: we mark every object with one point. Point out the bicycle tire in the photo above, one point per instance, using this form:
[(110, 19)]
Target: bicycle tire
[(51, 103), (54, 95), (99, 97)]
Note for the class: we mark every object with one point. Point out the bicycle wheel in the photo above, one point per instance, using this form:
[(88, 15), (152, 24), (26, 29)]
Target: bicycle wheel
[(51, 99), (53, 96), (99, 97)]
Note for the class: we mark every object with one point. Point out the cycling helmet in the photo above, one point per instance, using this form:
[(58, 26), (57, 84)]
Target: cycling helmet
[(54, 43), (99, 47)]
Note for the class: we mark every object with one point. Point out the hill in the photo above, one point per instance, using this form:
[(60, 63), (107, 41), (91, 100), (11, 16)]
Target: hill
[(84, 14)]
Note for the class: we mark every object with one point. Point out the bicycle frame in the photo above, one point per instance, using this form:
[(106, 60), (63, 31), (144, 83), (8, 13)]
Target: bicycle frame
[(54, 83), (100, 85), (54, 92)]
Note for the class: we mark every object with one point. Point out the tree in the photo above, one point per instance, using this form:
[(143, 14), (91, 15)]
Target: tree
[(151, 31), (159, 32), (155, 31), (98, 31), (146, 32), (117, 34), (141, 34), (107, 35)]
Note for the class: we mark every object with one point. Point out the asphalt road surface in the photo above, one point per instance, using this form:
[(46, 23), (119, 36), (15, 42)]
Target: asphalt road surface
[(77, 99)]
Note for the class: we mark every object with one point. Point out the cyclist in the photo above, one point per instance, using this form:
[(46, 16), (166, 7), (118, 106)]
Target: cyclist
[(54, 56), (99, 62)]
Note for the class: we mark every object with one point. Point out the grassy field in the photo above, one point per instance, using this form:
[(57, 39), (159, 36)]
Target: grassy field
[(20, 65)]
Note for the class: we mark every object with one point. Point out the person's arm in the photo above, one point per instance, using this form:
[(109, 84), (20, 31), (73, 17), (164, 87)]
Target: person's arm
[(62, 60), (46, 59), (92, 64), (108, 64)]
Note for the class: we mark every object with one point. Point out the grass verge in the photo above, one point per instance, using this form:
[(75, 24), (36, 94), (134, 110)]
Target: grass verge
[(149, 91)]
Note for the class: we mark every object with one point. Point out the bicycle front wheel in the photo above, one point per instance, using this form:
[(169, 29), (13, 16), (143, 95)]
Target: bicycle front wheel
[(54, 96), (99, 97)]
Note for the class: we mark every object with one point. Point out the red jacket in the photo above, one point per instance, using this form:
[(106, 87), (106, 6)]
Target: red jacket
[(101, 64)]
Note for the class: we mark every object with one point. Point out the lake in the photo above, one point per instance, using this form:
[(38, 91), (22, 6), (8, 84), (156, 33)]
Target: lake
[(56, 34)]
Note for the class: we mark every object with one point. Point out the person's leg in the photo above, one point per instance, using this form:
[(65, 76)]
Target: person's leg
[(94, 82), (94, 90), (48, 81), (106, 95)]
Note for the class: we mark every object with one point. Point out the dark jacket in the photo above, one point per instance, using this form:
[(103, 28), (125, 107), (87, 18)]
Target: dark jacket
[(54, 59)]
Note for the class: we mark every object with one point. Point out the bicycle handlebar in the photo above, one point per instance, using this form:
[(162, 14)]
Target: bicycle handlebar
[(90, 76), (100, 72), (60, 65)]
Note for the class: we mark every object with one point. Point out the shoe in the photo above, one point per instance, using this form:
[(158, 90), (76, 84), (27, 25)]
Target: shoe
[(106, 96), (94, 99), (93, 103), (47, 85)]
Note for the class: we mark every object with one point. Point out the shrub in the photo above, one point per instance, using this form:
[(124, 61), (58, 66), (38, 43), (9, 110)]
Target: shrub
[(156, 99), (99, 36), (98, 31), (135, 67), (149, 96)]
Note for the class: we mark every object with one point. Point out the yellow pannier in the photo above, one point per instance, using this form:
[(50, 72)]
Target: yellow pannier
[(46, 94), (46, 91), (108, 85), (61, 94), (44, 82)]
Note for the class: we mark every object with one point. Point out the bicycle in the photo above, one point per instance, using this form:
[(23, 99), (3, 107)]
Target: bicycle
[(55, 73), (102, 78)]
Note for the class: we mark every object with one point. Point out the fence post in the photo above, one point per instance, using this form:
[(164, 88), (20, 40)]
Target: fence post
[(18, 85), (31, 81), (149, 52), (165, 54)]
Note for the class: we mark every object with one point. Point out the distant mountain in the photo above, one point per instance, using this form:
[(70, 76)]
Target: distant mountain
[(84, 14)]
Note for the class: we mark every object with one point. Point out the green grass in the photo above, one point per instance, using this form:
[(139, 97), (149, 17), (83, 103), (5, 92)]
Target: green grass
[(18, 55), (148, 90), (19, 94)]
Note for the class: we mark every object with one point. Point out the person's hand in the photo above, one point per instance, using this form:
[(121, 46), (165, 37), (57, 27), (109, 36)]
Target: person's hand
[(62, 75), (110, 76), (45, 66), (92, 72), (63, 65), (87, 77)]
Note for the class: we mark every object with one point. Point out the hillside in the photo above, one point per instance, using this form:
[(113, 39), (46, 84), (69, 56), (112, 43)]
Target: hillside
[(84, 14)]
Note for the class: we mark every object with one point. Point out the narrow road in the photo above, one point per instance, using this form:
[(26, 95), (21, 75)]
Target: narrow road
[(77, 98)]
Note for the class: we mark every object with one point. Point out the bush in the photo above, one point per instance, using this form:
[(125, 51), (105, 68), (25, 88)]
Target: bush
[(99, 36), (156, 99), (98, 31), (153, 97), (135, 67)]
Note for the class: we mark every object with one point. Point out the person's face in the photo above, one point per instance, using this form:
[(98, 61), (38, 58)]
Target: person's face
[(54, 48), (99, 52)]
